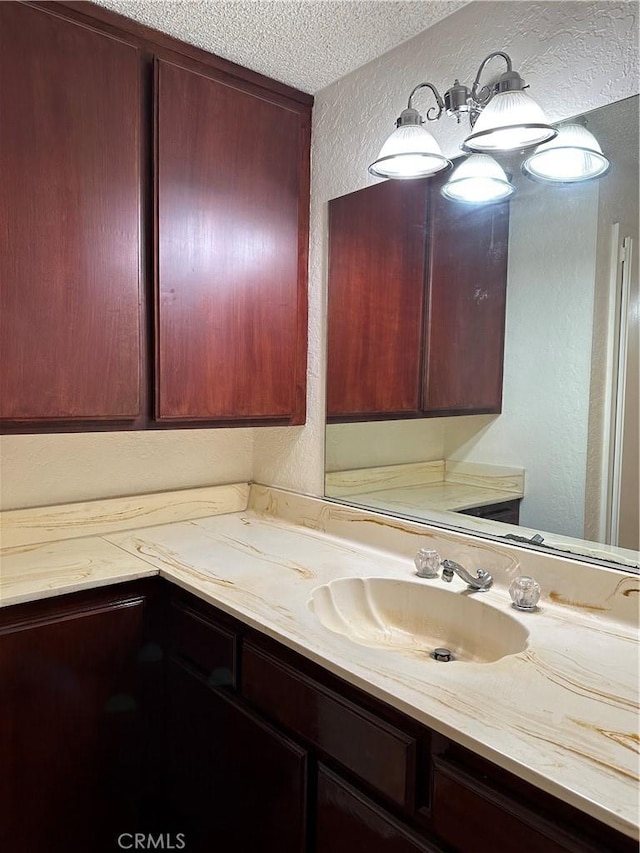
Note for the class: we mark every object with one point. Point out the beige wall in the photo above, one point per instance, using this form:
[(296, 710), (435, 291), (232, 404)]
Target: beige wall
[(370, 444), (37, 470)]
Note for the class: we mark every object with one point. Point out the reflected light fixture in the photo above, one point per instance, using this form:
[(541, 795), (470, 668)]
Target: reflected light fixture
[(502, 118), (574, 155), (478, 180)]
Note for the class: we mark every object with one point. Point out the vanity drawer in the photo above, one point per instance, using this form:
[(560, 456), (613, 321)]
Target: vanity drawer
[(472, 799), (378, 753), (206, 645)]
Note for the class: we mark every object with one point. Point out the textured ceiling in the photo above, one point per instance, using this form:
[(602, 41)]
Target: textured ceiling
[(305, 43)]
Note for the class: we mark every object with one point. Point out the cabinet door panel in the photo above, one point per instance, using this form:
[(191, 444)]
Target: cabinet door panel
[(238, 784), (229, 168), (347, 822), (69, 221), (466, 308), (376, 284), (69, 725)]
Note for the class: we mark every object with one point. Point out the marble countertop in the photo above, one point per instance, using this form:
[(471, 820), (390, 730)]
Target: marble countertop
[(442, 497), (442, 485), (562, 714)]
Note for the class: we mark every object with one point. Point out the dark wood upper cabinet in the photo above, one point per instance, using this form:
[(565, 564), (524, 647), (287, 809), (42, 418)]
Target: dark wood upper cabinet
[(229, 297), (417, 297), (376, 296), (466, 311), (70, 151), (154, 220)]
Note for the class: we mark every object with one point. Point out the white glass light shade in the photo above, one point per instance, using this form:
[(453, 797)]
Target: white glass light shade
[(574, 155), (510, 121), (478, 180), (410, 152)]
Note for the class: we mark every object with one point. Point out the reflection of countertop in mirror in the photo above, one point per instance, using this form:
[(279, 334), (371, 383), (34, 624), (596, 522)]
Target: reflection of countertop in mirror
[(419, 490), (451, 497), (575, 735), (439, 485)]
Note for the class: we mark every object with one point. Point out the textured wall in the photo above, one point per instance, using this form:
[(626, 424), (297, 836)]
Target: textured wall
[(576, 56), (545, 406)]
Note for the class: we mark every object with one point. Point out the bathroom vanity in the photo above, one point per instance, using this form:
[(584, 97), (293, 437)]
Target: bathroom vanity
[(214, 701)]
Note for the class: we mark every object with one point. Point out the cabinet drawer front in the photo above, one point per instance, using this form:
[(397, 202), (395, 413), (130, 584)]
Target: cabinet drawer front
[(348, 822), (376, 752), (465, 809), (208, 647)]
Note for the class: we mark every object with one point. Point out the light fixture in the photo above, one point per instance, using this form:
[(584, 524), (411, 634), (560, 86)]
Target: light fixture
[(574, 155), (509, 118), (502, 117), (411, 151), (478, 180)]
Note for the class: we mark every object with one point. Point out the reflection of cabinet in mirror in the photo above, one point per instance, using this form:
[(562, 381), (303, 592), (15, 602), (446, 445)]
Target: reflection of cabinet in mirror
[(417, 291)]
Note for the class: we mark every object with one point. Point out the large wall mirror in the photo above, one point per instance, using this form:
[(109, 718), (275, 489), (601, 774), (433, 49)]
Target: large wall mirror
[(556, 466)]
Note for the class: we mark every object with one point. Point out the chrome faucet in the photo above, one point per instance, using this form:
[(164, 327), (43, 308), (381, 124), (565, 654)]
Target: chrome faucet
[(481, 582)]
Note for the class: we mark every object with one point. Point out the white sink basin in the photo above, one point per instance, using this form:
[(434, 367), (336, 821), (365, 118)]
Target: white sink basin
[(416, 618)]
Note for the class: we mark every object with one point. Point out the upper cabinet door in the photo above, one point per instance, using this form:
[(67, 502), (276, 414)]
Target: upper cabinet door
[(375, 308), (69, 221), (467, 286), (232, 213)]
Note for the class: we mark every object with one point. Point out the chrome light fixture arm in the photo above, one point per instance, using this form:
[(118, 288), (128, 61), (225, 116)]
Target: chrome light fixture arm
[(436, 94), (480, 96)]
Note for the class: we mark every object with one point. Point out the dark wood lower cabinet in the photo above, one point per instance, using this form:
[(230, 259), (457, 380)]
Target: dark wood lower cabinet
[(508, 512), (347, 822), (141, 709), (380, 755), (236, 782), (79, 679)]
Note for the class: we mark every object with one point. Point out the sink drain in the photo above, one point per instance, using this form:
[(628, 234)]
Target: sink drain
[(442, 654)]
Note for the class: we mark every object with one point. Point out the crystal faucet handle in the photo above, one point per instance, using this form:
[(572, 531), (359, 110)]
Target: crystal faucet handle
[(427, 563), (525, 593)]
